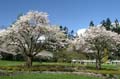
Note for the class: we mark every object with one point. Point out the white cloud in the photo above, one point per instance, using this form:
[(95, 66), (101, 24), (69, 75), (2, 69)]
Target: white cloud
[(2, 31), (81, 31)]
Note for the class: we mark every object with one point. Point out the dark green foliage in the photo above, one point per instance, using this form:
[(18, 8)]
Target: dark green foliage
[(91, 24), (106, 24), (67, 56), (71, 35), (7, 56), (103, 23), (116, 23), (66, 30), (61, 28), (18, 57), (115, 27)]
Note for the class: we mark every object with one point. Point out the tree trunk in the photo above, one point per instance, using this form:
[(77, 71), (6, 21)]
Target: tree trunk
[(98, 64), (98, 60), (28, 61)]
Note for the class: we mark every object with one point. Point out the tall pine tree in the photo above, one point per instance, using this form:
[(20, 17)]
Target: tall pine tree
[(116, 23), (103, 23), (91, 24), (108, 24)]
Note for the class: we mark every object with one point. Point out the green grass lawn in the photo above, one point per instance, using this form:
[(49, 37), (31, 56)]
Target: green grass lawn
[(108, 68), (14, 63), (48, 76), (10, 63)]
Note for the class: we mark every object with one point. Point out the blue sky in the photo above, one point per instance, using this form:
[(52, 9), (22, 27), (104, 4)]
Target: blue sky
[(75, 14)]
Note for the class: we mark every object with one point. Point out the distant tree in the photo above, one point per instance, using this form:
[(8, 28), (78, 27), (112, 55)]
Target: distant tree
[(71, 35), (19, 15), (108, 24), (61, 28), (103, 23), (91, 24), (116, 22), (66, 30)]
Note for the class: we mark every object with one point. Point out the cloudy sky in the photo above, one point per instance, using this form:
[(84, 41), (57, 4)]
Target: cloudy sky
[(75, 14)]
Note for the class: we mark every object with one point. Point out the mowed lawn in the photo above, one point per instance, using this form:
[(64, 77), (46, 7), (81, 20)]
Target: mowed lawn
[(48, 76), (15, 63), (10, 63), (7, 64)]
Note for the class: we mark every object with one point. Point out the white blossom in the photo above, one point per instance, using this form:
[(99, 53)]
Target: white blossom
[(32, 33)]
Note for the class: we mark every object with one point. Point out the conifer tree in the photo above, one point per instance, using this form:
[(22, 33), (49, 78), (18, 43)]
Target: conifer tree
[(91, 24)]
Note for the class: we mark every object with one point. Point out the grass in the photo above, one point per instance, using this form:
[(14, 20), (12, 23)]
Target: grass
[(14, 66), (14, 63), (10, 63), (37, 66), (48, 76)]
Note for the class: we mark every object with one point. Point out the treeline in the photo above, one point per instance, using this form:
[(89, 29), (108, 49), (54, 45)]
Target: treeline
[(109, 25)]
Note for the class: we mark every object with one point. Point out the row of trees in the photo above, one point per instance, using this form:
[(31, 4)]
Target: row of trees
[(109, 25), (32, 33)]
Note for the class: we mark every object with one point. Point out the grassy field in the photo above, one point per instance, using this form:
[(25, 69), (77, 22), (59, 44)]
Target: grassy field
[(14, 63), (48, 76), (10, 63), (15, 66)]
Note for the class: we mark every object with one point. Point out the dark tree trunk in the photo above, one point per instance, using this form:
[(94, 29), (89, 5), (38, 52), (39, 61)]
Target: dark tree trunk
[(28, 61), (98, 64), (98, 60)]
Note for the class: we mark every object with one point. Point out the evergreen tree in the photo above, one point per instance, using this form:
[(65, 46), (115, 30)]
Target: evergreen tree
[(61, 28), (91, 24), (66, 30), (103, 23), (108, 24), (116, 27), (116, 23), (71, 35)]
